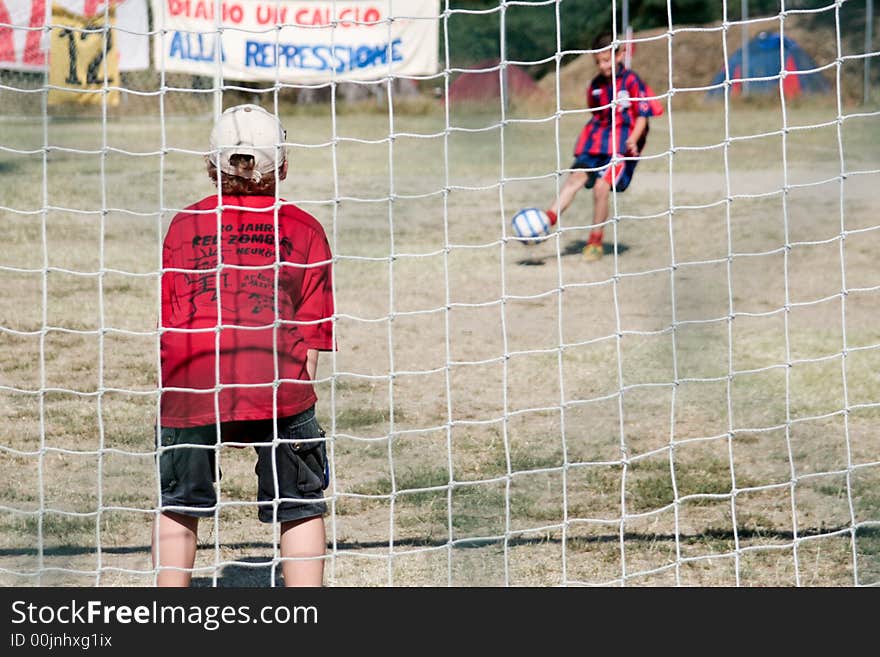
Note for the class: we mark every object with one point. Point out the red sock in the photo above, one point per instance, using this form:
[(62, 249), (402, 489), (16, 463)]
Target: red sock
[(552, 216), (596, 237)]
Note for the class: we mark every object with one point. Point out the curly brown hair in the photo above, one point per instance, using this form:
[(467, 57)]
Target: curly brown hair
[(236, 186)]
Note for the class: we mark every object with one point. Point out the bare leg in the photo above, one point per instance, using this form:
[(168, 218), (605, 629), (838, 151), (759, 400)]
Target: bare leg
[(174, 543), (572, 185), (303, 538), (601, 194)]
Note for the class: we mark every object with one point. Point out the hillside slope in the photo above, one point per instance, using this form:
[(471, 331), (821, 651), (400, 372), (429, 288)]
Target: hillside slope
[(698, 54)]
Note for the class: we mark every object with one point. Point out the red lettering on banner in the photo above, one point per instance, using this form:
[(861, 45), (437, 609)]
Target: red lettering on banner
[(7, 46), (320, 18), (267, 14), (33, 54), (348, 17), (204, 9), (178, 7), (372, 15)]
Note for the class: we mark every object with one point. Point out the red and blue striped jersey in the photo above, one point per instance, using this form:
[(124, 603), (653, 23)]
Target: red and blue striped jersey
[(597, 137)]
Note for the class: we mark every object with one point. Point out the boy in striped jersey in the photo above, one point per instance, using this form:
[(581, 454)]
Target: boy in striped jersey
[(601, 143)]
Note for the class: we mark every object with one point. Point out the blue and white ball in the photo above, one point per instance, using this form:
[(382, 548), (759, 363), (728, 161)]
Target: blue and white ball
[(530, 224)]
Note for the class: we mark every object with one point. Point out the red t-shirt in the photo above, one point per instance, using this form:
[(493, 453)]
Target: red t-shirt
[(249, 338)]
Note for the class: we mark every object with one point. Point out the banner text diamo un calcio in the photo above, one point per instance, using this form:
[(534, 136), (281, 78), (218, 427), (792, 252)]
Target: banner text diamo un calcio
[(297, 41)]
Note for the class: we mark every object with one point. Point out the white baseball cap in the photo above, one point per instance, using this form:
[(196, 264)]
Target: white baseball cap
[(248, 130)]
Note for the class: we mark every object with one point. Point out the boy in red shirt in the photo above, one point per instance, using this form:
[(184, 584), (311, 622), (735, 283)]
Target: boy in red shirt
[(247, 304), (600, 142)]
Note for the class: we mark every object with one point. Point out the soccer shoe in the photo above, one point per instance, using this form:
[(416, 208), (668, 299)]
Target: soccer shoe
[(593, 252)]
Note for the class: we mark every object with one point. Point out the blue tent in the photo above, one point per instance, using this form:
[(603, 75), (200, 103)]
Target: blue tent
[(765, 61)]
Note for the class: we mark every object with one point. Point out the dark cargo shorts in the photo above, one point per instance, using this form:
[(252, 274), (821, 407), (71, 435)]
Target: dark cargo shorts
[(293, 475)]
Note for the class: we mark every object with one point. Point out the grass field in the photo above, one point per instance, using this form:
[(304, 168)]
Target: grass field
[(700, 407)]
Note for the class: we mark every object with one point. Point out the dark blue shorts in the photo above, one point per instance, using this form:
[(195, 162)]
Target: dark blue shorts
[(291, 476), (601, 165)]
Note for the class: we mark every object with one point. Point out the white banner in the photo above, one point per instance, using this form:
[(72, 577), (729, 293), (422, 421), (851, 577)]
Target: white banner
[(25, 45), (132, 40), (318, 40)]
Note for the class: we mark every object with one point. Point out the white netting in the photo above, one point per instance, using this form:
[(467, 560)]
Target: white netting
[(697, 407)]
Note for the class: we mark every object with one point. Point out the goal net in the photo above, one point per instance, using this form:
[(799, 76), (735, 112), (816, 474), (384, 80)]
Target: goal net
[(697, 406)]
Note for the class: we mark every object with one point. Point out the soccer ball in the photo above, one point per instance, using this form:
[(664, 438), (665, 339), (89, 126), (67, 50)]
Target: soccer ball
[(530, 224)]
